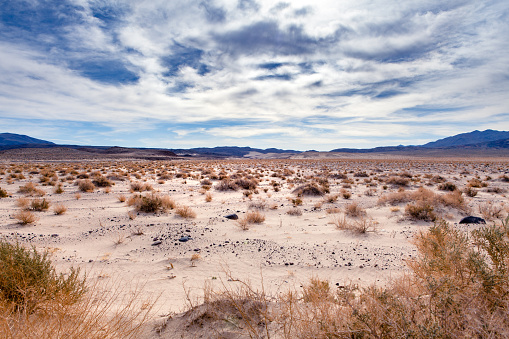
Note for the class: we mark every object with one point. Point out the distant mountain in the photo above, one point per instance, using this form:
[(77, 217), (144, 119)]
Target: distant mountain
[(229, 151), (475, 137), (11, 139)]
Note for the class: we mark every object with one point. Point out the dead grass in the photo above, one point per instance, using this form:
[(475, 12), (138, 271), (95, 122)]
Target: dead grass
[(86, 185), (354, 210), (25, 217), (311, 189), (185, 212), (31, 189), (59, 209)]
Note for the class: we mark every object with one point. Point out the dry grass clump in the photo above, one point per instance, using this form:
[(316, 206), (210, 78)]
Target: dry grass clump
[(59, 209), (121, 198), (31, 189), (251, 217), (3, 193), (39, 205), (25, 217), (424, 202), (398, 181), (490, 211), (247, 184), (359, 225), (208, 197), (294, 211), (101, 181), (421, 211), (447, 186), (86, 185), (310, 189), (151, 203), (226, 185), (185, 212), (354, 210), (37, 302), (140, 187), (259, 205)]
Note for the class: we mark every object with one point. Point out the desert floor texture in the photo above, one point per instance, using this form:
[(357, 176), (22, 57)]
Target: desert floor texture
[(344, 220)]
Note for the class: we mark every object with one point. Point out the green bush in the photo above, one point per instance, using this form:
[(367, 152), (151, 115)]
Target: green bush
[(28, 278)]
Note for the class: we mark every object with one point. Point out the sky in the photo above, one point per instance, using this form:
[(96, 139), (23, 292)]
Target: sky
[(302, 74)]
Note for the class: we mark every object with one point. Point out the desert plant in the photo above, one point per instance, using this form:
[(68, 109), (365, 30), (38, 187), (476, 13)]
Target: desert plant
[(490, 211), (39, 205), (59, 209), (208, 197), (30, 189), (86, 185), (3, 193), (27, 278), (185, 212), (470, 191), (226, 185), (354, 210), (420, 211), (448, 186), (58, 189), (25, 217), (121, 198), (294, 211), (311, 189)]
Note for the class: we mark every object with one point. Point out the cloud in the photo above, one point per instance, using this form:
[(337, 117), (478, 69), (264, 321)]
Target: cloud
[(252, 72)]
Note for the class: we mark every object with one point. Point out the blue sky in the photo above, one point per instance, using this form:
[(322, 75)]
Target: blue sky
[(296, 75)]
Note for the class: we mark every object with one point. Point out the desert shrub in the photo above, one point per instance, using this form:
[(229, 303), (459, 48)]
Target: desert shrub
[(25, 217), (86, 185), (359, 225), (474, 182), (361, 175), (39, 205), (185, 212), (454, 199), (504, 178), (448, 186), (398, 181), (121, 198), (490, 211), (260, 205), (226, 185), (58, 189), (27, 278), (470, 191), (247, 184), (140, 187), (59, 209), (331, 198), (151, 203), (101, 181), (208, 197), (311, 189), (420, 211), (3, 193), (294, 211), (354, 210), (206, 182), (346, 194), (254, 217), (31, 189)]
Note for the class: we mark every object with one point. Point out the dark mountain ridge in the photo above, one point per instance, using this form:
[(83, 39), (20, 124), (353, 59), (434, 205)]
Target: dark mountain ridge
[(477, 140)]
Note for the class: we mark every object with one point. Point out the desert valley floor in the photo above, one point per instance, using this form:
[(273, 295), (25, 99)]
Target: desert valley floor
[(162, 224)]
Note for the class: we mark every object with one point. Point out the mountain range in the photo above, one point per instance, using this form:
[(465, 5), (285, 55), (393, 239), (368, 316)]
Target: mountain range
[(465, 142)]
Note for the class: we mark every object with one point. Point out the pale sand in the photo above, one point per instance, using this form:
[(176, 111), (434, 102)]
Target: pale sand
[(285, 251)]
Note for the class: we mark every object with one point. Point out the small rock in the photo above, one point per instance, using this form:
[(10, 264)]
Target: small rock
[(472, 220), (184, 239), (159, 242), (232, 216)]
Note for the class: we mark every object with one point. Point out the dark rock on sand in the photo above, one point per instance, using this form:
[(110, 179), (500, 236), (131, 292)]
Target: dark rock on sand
[(232, 216), (472, 220)]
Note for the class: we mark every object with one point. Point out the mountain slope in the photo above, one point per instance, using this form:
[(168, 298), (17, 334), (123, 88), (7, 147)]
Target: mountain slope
[(475, 137), (11, 139)]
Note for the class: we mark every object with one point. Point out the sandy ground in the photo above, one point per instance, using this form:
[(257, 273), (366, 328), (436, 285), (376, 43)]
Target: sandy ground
[(97, 234)]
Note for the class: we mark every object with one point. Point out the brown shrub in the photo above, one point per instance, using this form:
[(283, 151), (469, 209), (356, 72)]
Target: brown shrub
[(86, 185), (39, 205), (59, 209), (354, 210), (30, 189), (185, 212), (25, 217), (311, 189), (226, 185)]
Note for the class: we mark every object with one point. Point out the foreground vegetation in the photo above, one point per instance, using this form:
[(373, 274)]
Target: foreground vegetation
[(458, 286), (36, 302)]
